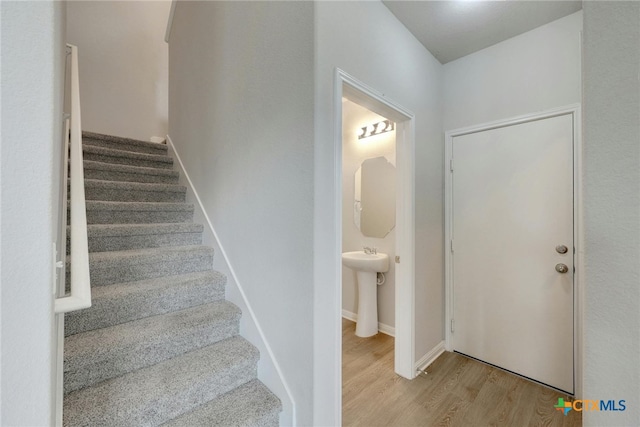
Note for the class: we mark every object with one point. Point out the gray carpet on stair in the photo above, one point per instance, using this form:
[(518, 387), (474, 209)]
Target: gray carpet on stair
[(133, 191), (125, 144), (154, 395), (109, 212), (251, 404), (131, 158), (116, 172), (120, 237), (106, 353), (160, 344), (124, 302), (139, 264), (111, 230)]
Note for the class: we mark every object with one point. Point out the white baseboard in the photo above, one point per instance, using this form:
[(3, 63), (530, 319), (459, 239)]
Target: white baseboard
[(385, 329), (269, 371), (430, 357)]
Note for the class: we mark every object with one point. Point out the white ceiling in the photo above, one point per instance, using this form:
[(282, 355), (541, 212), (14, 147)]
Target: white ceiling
[(455, 28)]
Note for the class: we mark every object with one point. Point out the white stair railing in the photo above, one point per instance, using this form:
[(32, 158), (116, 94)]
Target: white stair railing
[(80, 296)]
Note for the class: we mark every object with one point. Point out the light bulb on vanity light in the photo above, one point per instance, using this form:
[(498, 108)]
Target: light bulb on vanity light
[(376, 129)]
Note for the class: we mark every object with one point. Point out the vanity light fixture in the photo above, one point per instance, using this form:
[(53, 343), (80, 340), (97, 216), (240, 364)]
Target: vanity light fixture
[(376, 129)]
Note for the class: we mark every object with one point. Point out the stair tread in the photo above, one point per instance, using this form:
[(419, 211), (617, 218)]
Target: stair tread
[(88, 347), (136, 212), (116, 167), (131, 191), (109, 267), (251, 404), (121, 237), (114, 152), (124, 302), (104, 230), (161, 392), (138, 206), (124, 141), (94, 356), (128, 236), (134, 186), (148, 254)]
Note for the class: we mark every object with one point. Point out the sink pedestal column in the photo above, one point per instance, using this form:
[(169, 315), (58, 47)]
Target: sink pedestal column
[(367, 324)]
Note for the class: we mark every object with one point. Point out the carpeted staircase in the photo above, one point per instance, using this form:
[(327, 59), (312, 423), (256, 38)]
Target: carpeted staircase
[(160, 345)]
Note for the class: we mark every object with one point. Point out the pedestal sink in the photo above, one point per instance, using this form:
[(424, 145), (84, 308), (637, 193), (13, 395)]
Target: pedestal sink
[(367, 267)]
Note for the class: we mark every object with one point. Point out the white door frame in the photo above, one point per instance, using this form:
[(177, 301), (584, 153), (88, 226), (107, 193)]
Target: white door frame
[(574, 110), (355, 90)]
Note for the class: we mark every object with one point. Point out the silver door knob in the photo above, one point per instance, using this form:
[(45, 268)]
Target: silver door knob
[(561, 249), (562, 268)]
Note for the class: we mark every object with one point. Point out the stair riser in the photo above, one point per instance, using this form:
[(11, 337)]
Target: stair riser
[(136, 217), (140, 357), (159, 151), (129, 177), (123, 243), (118, 272), (122, 195), (127, 161), (110, 312)]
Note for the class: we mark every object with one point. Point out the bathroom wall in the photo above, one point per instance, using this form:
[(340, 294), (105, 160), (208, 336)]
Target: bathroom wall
[(354, 152)]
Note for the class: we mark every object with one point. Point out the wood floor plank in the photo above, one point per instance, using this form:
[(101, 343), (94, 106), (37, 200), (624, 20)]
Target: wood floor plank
[(457, 391)]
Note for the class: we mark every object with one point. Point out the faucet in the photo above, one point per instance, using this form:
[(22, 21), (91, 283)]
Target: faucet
[(370, 251)]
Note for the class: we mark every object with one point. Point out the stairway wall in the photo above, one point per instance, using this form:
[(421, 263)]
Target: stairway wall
[(123, 61), (270, 372), (32, 78), (241, 119)]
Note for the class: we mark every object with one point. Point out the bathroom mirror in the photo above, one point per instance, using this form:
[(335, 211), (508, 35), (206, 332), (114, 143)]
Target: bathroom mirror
[(375, 197)]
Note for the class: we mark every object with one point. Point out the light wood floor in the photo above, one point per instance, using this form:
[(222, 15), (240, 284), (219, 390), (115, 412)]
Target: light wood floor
[(457, 391)]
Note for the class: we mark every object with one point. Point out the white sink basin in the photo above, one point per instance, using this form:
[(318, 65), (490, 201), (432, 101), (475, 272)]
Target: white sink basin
[(358, 260)]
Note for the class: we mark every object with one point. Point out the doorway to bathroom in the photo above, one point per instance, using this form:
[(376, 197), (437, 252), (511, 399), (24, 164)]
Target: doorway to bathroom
[(368, 219), (375, 149)]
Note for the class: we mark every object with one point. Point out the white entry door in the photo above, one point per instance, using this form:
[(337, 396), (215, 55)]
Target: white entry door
[(512, 217)]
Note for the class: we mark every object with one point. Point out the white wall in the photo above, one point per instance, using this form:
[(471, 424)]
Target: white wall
[(368, 42), (241, 118), (32, 79), (123, 65), (534, 71), (354, 152), (540, 70), (612, 208)]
